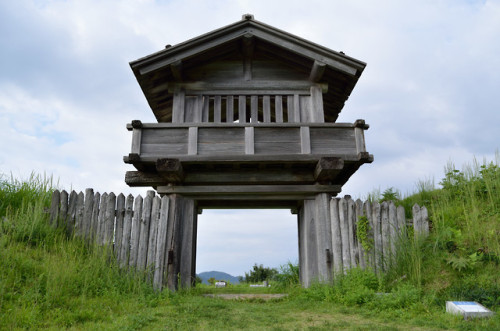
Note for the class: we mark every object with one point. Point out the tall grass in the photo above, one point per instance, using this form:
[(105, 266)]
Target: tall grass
[(50, 279)]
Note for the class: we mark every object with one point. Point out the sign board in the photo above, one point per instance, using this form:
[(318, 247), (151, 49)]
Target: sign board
[(467, 309)]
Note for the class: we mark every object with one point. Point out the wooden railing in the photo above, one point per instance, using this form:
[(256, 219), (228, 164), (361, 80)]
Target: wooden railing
[(157, 140)]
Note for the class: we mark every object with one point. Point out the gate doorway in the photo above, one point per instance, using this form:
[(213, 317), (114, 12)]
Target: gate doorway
[(233, 240)]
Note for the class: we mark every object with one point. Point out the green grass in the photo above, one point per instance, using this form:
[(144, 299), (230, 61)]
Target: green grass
[(50, 281)]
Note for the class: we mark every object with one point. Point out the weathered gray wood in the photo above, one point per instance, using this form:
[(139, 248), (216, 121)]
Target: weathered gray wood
[(328, 168), (94, 225), (296, 108), (386, 235), (344, 232), (193, 141), (401, 220), (317, 71), (425, 220), (266, 106), (217, 109), (303, 262), (63, 211), (188, 244), (353, 243), (317, 105), (178, 107), (259, 87), (230, 109), (242, 112), (278, 108), (336, 237), (176, 69), (109, 220), (377, 236), (70, 227), (393, 226), (310, 260), (101, 219), (370, 236), (205, 109), (323, 236), (135, 232), (153, 234), (242, 190), (87, 213), (136, 141), (249, 140), (127, 228), (120, 215), (80, 205), (145, 222), (254, 109), (170, 170), (305, 140), (54, 208), (290, 110), (173, 246), (161, 242), (417, 220), (359, 213)]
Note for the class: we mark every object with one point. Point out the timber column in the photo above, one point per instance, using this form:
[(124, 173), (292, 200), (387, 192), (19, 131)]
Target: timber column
[(181, 243), (315, 240)]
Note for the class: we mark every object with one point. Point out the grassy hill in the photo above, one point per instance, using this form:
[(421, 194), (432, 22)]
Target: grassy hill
[(50, 281), (217, 275)]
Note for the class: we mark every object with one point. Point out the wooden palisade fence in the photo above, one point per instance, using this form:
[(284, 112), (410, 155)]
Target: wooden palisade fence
[(137, 229)]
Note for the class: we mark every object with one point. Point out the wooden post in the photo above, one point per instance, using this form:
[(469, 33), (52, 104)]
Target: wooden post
[(371, 254), (87, 213), (377, 236), (120, 214), (161, 244), (145, 221), (101, 219), (80, 205), (109, 219), (153, 234), (336, 236), (135, 232), (94, 225), (344, 232), (127, 227), (352, 232), (63, 211), (54, 208), (359, 212)]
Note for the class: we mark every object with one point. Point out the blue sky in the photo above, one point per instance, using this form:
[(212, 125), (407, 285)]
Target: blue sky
[(429, 93)]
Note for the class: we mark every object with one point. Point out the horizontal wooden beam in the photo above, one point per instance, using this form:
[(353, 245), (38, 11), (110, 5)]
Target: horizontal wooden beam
[(170, 170), (237, 192), (328, 168), (253, 85)]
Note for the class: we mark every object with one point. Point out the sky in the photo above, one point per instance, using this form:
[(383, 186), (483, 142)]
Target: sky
[(430, 93)]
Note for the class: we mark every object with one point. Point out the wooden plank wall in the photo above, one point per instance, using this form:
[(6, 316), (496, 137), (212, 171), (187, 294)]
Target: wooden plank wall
[(137, 229)]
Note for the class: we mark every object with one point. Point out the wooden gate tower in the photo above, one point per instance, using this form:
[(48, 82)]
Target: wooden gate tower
[(247, 119)]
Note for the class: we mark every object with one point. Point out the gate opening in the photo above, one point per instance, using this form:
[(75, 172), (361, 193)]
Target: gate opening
[(233, 240)]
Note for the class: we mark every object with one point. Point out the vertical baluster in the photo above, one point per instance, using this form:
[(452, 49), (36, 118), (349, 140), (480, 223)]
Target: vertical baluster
[(278, 108), (254, 109), (205, 109), (229, 109), (266, 105), (242, 112), (217, 109)]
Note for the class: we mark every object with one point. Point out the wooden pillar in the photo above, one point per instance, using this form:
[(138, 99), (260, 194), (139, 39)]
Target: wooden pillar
[(315, 240), (181, 242)]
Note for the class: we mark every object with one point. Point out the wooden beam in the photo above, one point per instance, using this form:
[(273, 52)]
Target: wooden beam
[(248, 46), (254, 86), (328, 168), (258, 191), (170, 170), (317, 71), (176, 69)]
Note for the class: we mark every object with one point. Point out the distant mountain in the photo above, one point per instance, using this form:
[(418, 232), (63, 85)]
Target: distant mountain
[(218, 275)]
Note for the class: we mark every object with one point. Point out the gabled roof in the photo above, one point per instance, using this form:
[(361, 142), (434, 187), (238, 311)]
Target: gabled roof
[(155, 71)]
